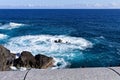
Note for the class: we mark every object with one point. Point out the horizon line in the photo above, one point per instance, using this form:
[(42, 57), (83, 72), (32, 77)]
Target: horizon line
[(59, 8)]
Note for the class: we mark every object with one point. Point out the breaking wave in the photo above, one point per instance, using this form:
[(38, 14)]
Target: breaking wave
[(3, 36), (11, 25), (45, 44)]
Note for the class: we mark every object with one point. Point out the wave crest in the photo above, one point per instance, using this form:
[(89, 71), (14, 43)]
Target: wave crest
[(11, 25), (3, 36)]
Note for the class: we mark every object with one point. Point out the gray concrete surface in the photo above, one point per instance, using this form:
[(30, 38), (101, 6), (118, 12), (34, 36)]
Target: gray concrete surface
[(73, 74), (116, 69), (64, 74), (12, 75)]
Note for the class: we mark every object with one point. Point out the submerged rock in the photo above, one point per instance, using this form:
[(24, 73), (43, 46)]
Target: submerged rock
[(58, 41), (6, 59)]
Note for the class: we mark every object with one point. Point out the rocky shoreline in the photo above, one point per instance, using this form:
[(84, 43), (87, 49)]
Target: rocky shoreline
[(25, 59)]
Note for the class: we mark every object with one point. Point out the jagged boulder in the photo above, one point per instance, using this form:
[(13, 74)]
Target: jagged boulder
[(29, 61), (43, 62), (26, 59), (6, 58)]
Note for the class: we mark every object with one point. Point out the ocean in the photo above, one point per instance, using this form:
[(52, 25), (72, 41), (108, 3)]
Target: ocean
[(73, 37)]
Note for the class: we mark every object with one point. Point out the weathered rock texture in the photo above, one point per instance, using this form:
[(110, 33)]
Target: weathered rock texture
[(43, 61), (26, 59), (6, 59)]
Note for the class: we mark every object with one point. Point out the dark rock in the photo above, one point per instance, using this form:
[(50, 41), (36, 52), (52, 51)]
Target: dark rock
[(43, 61), (18, 63), (6, 58), (26, 59), (58, 41), (29, 61)]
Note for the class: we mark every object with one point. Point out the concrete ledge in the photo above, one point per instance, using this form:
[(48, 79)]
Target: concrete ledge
[(63, 74), (12, 75), (73, 74), (116, 69)]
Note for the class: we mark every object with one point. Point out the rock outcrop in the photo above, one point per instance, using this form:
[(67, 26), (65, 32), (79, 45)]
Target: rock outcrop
[(6, 59), (26, 59), (43, 61), (29, 61)]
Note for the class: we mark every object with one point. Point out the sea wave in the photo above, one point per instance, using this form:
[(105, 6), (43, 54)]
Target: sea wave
[(45, 44), (60, 63), (3, 36), (11, 25)]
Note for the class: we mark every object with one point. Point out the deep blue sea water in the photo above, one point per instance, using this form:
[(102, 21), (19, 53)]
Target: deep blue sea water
[(90, 38)]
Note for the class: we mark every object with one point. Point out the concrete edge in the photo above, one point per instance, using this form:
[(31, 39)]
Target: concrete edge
[(104, 73)]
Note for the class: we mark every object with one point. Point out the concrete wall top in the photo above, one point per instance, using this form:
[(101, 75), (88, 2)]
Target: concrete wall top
[(63, 74)]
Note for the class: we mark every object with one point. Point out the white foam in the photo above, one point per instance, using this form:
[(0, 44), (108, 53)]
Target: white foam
[(13, 68), (102, 37), (63, 63), (23, 69), (45, 43), (11, 25), (3, 36)]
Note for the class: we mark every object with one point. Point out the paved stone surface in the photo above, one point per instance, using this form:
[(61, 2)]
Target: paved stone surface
[(12, 75), (117, 69), (73, 74)]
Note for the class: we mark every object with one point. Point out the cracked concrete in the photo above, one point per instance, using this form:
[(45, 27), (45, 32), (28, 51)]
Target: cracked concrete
[(112, 73)]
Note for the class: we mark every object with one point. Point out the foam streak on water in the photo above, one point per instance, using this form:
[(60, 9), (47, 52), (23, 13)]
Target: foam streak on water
[(11, 25), (3, 36), (45, 43)]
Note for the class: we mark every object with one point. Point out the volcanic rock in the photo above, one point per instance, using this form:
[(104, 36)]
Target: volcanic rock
[(6, 58), (26, 59), (29, 61), (43, 62)]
